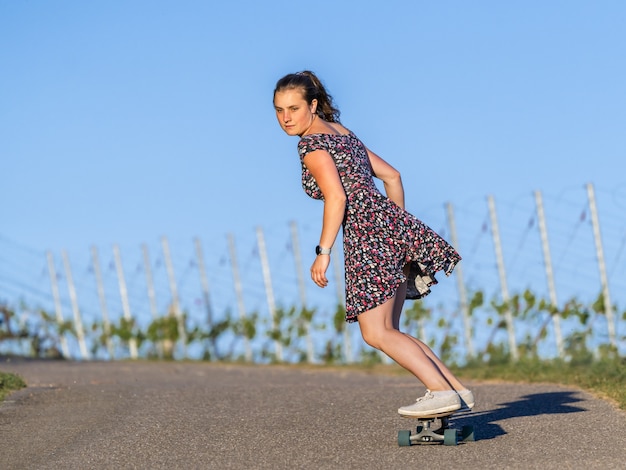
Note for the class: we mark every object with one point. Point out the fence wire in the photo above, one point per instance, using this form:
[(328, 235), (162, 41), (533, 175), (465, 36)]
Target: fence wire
[(25, 286)]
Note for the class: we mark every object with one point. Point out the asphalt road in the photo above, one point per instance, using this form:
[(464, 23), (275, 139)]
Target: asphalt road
[(126, 415)]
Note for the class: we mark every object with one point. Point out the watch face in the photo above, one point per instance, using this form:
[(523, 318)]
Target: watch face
[(321, 251)]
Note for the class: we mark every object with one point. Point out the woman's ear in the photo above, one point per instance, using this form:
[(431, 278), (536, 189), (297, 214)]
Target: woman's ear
[(313, 106)]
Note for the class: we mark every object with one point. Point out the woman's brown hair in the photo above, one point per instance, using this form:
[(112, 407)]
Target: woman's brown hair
[(312, 89)]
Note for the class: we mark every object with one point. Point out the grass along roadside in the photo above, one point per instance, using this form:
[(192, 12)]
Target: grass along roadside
[(9, 382), (604, 378)]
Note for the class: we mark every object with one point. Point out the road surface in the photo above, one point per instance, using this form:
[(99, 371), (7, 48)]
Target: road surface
[(187, 415)]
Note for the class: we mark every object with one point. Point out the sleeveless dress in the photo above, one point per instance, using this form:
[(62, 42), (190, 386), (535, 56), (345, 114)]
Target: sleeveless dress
[(379, 237)]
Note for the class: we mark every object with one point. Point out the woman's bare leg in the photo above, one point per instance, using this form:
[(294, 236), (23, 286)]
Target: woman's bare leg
[(378, 330), (450, 377), (398, 304)]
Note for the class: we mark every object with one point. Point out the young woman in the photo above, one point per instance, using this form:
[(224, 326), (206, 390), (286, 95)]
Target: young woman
[(383, 244)]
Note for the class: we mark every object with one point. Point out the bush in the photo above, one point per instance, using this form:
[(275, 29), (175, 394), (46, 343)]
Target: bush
[(9, 383)]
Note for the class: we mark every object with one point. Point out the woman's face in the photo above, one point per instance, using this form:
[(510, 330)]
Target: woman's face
[(294, 114)]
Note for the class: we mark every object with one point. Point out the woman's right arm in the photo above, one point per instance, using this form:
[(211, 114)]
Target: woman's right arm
[(322, 168)]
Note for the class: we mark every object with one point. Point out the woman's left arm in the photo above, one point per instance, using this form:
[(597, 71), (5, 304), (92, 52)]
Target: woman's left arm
[(390, 177)]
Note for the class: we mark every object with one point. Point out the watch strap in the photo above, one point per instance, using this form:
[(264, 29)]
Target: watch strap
[(322, 251)]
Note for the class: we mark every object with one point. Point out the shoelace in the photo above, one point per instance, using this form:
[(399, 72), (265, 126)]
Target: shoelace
[(427, 396)]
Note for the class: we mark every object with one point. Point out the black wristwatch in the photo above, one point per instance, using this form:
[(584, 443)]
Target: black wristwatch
[(322, 251)]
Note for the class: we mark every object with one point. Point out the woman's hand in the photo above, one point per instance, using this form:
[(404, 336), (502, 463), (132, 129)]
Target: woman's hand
[(318, 270)]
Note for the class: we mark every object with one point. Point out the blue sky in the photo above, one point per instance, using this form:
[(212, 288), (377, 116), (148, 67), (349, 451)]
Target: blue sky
[(121, 122)]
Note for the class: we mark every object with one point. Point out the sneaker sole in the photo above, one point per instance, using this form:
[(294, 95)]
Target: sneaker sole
[(446, 410)]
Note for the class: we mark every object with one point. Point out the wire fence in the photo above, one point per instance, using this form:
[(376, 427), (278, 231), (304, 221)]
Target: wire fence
[(542, 273)]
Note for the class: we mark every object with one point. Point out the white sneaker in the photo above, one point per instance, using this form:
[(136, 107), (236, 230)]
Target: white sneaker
[(467, 399), (432, 404)]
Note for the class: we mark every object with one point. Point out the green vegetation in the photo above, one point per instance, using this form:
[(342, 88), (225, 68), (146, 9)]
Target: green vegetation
[(9, 383), (292, 329), (585, 362)]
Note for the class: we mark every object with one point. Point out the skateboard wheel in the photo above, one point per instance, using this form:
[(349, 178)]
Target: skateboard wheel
[(467, 433), (404, 438), (449, 437)]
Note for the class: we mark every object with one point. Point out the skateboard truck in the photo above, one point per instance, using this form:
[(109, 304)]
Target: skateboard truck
[(427, 434)]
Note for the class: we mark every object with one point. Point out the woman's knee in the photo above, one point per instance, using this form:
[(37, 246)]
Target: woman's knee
[(376, 323), (379, 337), (372, 335), (371, 339)]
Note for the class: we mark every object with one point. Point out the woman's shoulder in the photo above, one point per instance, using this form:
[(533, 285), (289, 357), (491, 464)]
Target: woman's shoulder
[(311, 142), (323, 138)]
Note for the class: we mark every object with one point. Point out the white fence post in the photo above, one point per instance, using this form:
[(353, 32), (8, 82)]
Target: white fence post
[(347, 342), (458, 271), (132, 342), (151, 293), (149, 282), (106, 324), (182, 332), (269, 291), (547, 259), (608, 307), (502, 272), (295, 243), (239, 292), (78, 322), (206, 295), (57, 304)]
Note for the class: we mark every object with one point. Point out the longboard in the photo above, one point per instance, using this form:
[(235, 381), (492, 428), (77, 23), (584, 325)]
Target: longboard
[(427, 433)]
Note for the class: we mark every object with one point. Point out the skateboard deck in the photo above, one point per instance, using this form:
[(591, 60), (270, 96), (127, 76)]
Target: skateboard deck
[(426, 431)]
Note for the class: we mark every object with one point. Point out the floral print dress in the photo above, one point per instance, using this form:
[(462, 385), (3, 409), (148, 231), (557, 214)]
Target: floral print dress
[(379, 237)]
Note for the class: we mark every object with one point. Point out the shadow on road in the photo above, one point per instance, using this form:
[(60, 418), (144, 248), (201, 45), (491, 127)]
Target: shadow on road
[(485, 422)]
